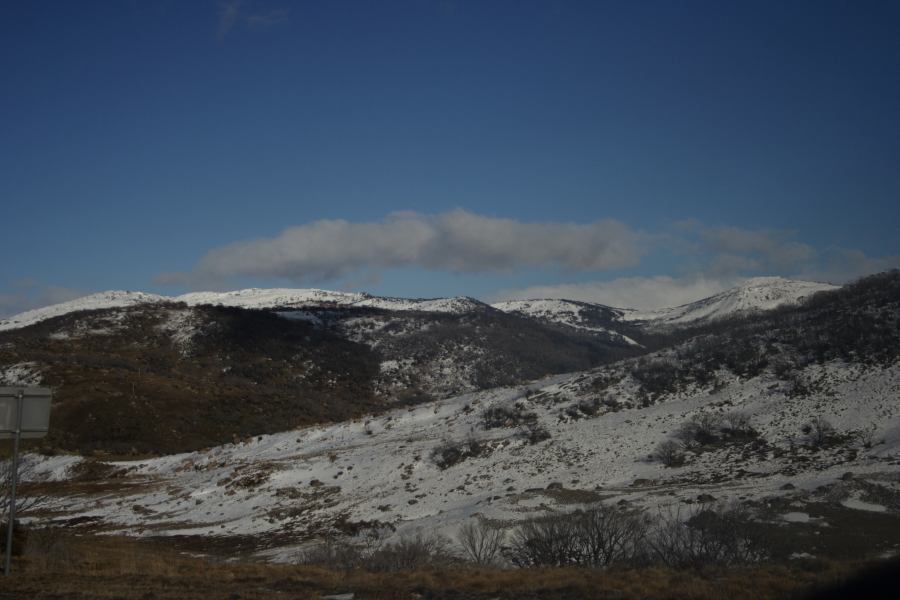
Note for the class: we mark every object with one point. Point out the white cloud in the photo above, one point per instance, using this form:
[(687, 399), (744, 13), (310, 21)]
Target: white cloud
[(840, 265), (643, 293), (229, 12), (457, 241), (231, 15), (733, 250)]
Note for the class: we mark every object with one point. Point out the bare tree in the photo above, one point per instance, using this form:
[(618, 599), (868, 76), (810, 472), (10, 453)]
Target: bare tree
[(717, 536), (549, 541), (670, 453), (481, 542), (599, 537), (608, 535), (25, 502)]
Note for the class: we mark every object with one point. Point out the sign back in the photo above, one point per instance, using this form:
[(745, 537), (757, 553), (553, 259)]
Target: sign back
[(35, 411)]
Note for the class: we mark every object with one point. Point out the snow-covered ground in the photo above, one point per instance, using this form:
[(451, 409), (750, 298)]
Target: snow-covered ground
[(382, 471), (566, 312)]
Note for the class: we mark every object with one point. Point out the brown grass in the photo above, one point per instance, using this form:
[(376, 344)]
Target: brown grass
[(69, 567)]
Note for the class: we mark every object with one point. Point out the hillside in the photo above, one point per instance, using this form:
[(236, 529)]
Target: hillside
[(811, 450), (164, 377), (136, 372)]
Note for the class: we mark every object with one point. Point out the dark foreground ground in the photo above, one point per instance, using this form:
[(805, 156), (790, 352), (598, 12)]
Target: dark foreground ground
[(122, 568)]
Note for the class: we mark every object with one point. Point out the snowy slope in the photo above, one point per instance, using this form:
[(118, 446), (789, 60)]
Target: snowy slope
[(101, 300), (305, 483), (272, 298), (757, 294), (577, 315)]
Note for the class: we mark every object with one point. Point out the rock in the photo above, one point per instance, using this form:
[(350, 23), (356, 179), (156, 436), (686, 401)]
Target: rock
[(788, 486), (706, 498), (412, 501), (556, 485), (847, 476)]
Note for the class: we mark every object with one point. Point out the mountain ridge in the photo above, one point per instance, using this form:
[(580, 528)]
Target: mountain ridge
[(761, 293)]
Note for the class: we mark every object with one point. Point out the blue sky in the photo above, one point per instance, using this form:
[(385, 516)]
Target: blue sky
[(171, 146)]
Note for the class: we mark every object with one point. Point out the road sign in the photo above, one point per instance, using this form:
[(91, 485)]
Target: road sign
[(35, 411)]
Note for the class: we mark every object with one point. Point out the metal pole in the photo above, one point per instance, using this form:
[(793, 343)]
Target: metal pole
[(14, 474)]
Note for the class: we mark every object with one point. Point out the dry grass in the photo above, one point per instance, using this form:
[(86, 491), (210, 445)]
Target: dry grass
[(67, 567)]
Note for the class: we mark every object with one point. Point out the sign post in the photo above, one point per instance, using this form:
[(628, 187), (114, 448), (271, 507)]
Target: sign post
[(24, 413)]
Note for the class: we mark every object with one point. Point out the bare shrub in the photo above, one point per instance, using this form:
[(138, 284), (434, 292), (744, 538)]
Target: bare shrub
[(701, 429), (670, 453), (534, 433), (707, 429), (406, 554), (608, 535), (481, 542), (411, 553), (819, 431), (453, 452), (341, 555), (719, 536), (25, 502), (590, 408), (599, 537), (549, 541), (736, 422), (507, 416)]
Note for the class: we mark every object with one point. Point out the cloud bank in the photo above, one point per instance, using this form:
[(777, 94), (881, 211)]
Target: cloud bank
[(458, 241), (701, 260), (643, 293)]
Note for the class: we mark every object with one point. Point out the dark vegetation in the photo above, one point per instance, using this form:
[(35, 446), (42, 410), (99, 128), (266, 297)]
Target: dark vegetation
[(605, 536), (58, 565), (515, 348), (705, 431), (134, 390), (246, 373), (858, 323), (453, 452)]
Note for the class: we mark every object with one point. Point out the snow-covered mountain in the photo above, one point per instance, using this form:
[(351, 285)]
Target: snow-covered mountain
[(793, 413), (252, 298), (755, 295), (807, 435), (100, 300), (759, 294), (584, 316)]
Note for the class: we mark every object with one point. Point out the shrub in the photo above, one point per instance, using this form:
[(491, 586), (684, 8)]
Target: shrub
[(406, 554), (819, 432), (411, 553), (599, 537), (535, 433), (507, 416), (719, 536), (454, 452), (481, 542), (699, 430), (670, 453), (590, 407)]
